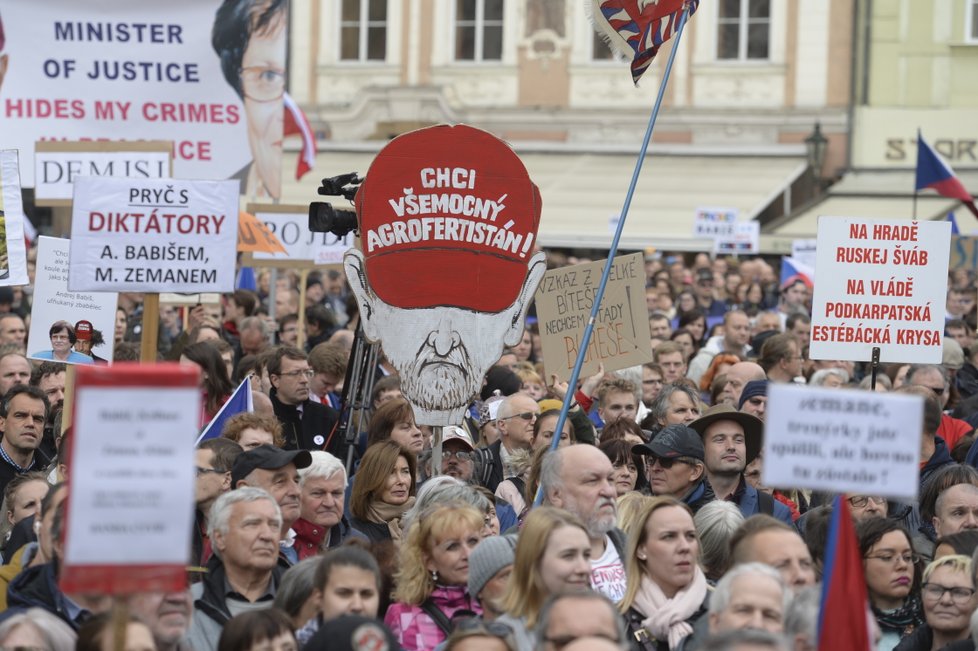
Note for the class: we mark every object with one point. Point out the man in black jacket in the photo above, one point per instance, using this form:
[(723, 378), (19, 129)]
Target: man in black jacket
[(306, 425)]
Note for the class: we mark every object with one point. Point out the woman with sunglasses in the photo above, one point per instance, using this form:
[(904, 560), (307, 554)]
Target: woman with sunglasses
[(432, 578), (675, 467), (949, 600), (666, 592), (889, 564)]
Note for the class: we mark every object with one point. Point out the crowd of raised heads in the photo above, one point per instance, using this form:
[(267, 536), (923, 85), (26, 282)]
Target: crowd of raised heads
[(647, 527)]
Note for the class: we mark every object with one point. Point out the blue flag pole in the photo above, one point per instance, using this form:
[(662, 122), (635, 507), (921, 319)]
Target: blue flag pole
[(589, 328)]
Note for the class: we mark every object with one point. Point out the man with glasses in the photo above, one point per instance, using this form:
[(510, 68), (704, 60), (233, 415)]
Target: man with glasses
[(214, 459), (306, 425), (936, 379), (250, 38), (457, 458), (515, 419), (867, 507), (674, 466)]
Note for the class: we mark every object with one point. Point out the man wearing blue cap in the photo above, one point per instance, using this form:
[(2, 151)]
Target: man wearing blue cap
[(753, 399)]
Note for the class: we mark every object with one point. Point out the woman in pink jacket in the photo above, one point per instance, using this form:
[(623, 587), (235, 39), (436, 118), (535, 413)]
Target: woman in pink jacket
[(433, 575)]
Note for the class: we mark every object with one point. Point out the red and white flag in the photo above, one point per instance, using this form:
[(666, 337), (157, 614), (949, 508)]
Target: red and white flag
[(297, 123)]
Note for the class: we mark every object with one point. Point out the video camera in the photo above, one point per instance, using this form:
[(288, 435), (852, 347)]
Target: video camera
[(323, 217)]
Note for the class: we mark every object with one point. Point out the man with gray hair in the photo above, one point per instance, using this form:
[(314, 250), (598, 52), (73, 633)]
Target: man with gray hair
[(935, 378), (515, 420), (567, 617), (830, 378), (244, 572), (745, 640), (322, 524), (580, 479), (751, 595)]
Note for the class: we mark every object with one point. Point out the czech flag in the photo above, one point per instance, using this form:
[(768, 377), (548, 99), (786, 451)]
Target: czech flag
[(793, 269), (636, 29), (842, 616), (933, 172), (240, 402), (296, 123)]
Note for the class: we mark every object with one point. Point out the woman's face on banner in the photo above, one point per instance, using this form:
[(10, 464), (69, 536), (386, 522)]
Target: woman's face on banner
[(263, 81)]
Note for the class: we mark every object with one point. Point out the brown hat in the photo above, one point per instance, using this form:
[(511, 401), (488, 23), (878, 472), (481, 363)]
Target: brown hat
[(753, 426)]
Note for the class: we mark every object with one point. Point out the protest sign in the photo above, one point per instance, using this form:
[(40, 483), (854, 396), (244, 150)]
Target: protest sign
[(745, 240), (621, 333), (131, 505), (57, 164), (448, 219), (91, 316), (144, 235), (844, 441), (175, 71), (804, 252), (880, 284), (715, 222), (13, 253), (303, 248)]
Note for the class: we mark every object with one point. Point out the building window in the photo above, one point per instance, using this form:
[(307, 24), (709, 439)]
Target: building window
[(363, 30), (743, 29), (600, 50), (971, 22), (478, 30)]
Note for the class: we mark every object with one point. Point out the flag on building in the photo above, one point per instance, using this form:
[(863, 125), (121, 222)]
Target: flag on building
[(297, 124), (842, 619), (933, 172), (240, 402), (636, 29)]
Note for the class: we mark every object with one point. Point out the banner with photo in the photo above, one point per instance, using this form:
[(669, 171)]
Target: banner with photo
[(13, 252), (205, 74)]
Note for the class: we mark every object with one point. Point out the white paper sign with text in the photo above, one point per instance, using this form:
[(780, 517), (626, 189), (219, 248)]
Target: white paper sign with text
[(55, 171), (880, 284), (715, 222), (842, 440), (301, 244), (142, 235), (746, 239), (13, 252)]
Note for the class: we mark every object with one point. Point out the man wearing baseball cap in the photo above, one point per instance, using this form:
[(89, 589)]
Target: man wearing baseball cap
[(675, 466), (731, 440), (457, 454), (86, 338), (277, 472)]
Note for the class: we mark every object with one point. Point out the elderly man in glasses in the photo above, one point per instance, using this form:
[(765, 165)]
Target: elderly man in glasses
[(515, 419), (306, 425), (674, 466)]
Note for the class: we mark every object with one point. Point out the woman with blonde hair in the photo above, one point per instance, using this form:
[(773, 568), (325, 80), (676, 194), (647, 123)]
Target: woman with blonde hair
[(383, 489), (666, 592), (433, 574), (553, 556)]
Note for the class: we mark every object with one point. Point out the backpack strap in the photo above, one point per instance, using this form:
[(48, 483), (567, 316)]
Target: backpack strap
[(437, 616)]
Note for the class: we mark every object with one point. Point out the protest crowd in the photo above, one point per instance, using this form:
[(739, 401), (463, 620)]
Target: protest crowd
[(654, 533)]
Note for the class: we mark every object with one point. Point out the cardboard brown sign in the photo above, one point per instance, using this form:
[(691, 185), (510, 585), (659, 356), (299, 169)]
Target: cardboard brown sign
[(621, 331)]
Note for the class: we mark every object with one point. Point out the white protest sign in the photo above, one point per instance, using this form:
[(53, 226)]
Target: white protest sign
[(804, 251), (144, 235), (842, 440), (715, 222), (880, 283), (57, 164), (53, 303), (746, 239), (13, 253), (290, 224), (130, 509)]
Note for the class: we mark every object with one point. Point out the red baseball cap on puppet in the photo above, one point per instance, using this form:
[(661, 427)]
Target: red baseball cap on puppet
[(83, 330), (448, 217)]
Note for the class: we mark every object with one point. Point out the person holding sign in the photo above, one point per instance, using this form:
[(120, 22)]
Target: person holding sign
[(63, 337), (731, 440)]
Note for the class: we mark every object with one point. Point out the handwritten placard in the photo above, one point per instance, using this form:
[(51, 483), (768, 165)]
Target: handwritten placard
[(621, 333)]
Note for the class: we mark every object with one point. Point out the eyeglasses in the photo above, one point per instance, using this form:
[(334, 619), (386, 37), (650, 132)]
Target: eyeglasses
[(935, 591), (209, 471), (262, 84), (461, 455), (526, 415), (307, 373), (861, 500), (668, 463), (471, 624), (890, 559)]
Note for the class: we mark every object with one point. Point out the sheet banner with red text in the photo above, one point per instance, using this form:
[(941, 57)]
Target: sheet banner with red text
[(621, 335), (175, 71), (881, 283), (13, 251), (131, 504), (139, 235)]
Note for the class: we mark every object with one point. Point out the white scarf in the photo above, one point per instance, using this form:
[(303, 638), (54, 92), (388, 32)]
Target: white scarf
[(666, 618)]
